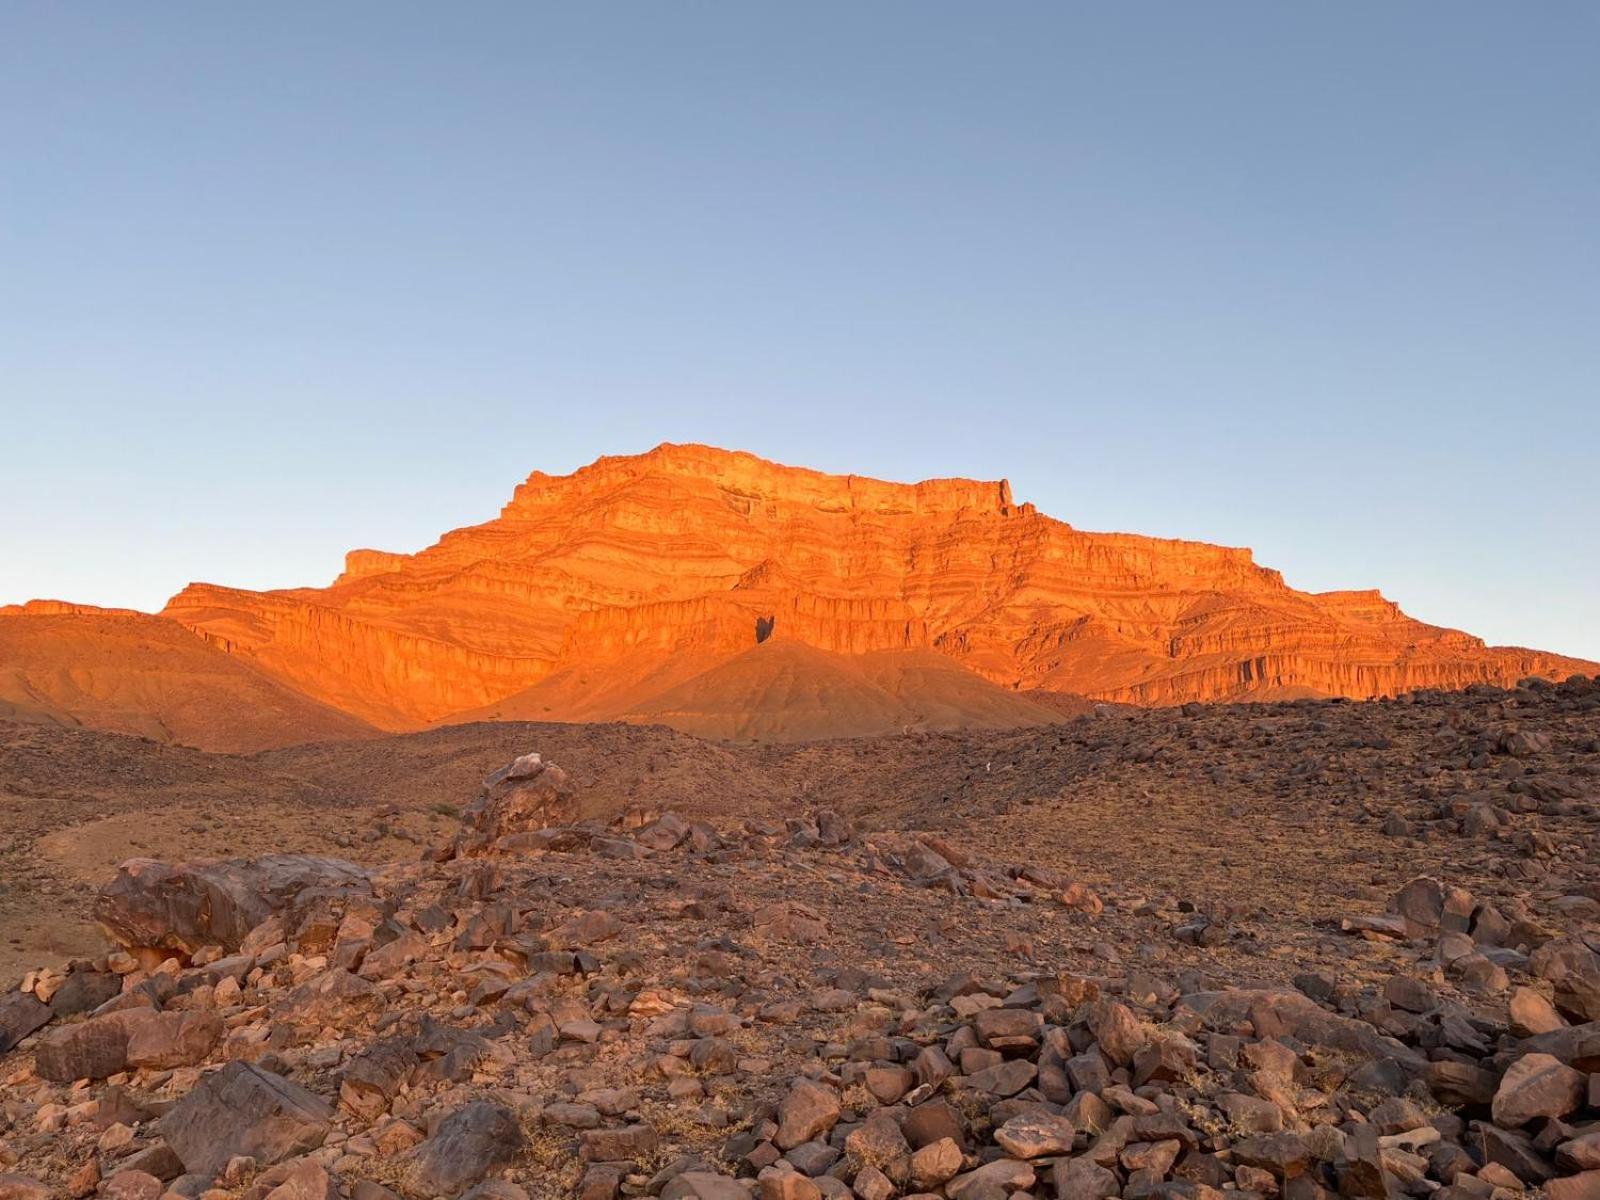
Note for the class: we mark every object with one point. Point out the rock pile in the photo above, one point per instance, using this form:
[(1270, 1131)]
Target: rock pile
[(773, 1011)]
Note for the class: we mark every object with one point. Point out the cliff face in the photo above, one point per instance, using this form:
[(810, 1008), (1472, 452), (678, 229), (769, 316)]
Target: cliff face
[(692, 554)]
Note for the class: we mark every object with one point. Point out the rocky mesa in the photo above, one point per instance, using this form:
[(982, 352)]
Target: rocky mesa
[(661, 587)]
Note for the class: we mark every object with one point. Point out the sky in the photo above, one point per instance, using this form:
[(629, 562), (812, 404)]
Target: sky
[(1322, 280)]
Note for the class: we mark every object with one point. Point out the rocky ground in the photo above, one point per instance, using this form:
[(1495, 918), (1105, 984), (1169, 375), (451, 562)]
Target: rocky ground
[(1272, 950)]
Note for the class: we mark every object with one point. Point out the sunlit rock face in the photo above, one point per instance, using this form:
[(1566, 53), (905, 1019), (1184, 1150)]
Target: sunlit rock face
[(75, 665), (593, 595)]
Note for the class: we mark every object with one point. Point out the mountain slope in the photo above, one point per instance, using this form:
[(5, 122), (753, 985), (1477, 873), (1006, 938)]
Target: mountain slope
[(129, 672), (671, 562), (781, 692)]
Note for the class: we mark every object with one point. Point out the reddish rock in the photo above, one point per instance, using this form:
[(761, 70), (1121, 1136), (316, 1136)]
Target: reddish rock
[(308, 1181), (173, 1039), (1119, 1033), (934, 1164), (131, 1185), (1537, 1085), (1583, 1186), (1035, 1135), (618, 1145), (859, 587), (808, 1111)]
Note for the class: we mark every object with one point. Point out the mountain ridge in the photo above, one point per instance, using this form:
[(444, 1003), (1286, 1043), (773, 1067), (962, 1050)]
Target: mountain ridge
[(688, 548), (637, 586)]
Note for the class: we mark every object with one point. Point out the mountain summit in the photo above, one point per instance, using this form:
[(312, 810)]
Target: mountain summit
[(726, 594)]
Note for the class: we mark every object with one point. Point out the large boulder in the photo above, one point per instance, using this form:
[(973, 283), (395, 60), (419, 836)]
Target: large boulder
[(1537, 1085), (466, 1146), (809, 1111), (215, 902), (526, 795), (243, 1110), (134, 1037)]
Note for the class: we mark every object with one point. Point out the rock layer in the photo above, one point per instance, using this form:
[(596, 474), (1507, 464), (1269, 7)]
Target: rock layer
[(644, 572)]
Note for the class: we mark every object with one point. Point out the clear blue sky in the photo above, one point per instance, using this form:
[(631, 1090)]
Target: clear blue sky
[(1323, 280)]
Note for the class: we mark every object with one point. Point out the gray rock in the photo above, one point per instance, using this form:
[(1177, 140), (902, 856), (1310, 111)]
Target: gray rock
[(243, 1110), (466, 1146), (20, 1015), (84, 991), (184, 906)]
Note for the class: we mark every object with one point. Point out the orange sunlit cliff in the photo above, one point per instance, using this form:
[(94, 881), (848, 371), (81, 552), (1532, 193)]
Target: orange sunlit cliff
[(729, 595)]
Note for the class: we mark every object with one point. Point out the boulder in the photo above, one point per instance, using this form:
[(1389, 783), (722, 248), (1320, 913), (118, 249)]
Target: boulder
[(524, 796), (1531, 1014), (1574, 971), (1035, 1135), (172, 1039), (92, 1049), (307, 1181), (935, 1164), (126, 1040), (1420, 904), (1577, 1046), (84, 991), (335, 998), (1002, 1174), (1537, 1085), (1083, 1179), (131, 1185), (618, 1145), (1583, 1186), (242, 1110), (703, 1185), (214, 902), (465, 1146), (808, 1111)]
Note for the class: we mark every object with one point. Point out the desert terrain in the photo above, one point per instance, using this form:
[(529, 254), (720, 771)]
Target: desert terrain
[(711, 829), (787, 602), (1304, 947)]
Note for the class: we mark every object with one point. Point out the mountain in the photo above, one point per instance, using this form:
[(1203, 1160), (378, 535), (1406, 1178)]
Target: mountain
[(128, 672), (725, 594)]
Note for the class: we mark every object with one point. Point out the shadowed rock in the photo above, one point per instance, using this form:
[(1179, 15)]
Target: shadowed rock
[(20, 1015), (213, 902), (523, 796), (242, 1110), (465, 1147)]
